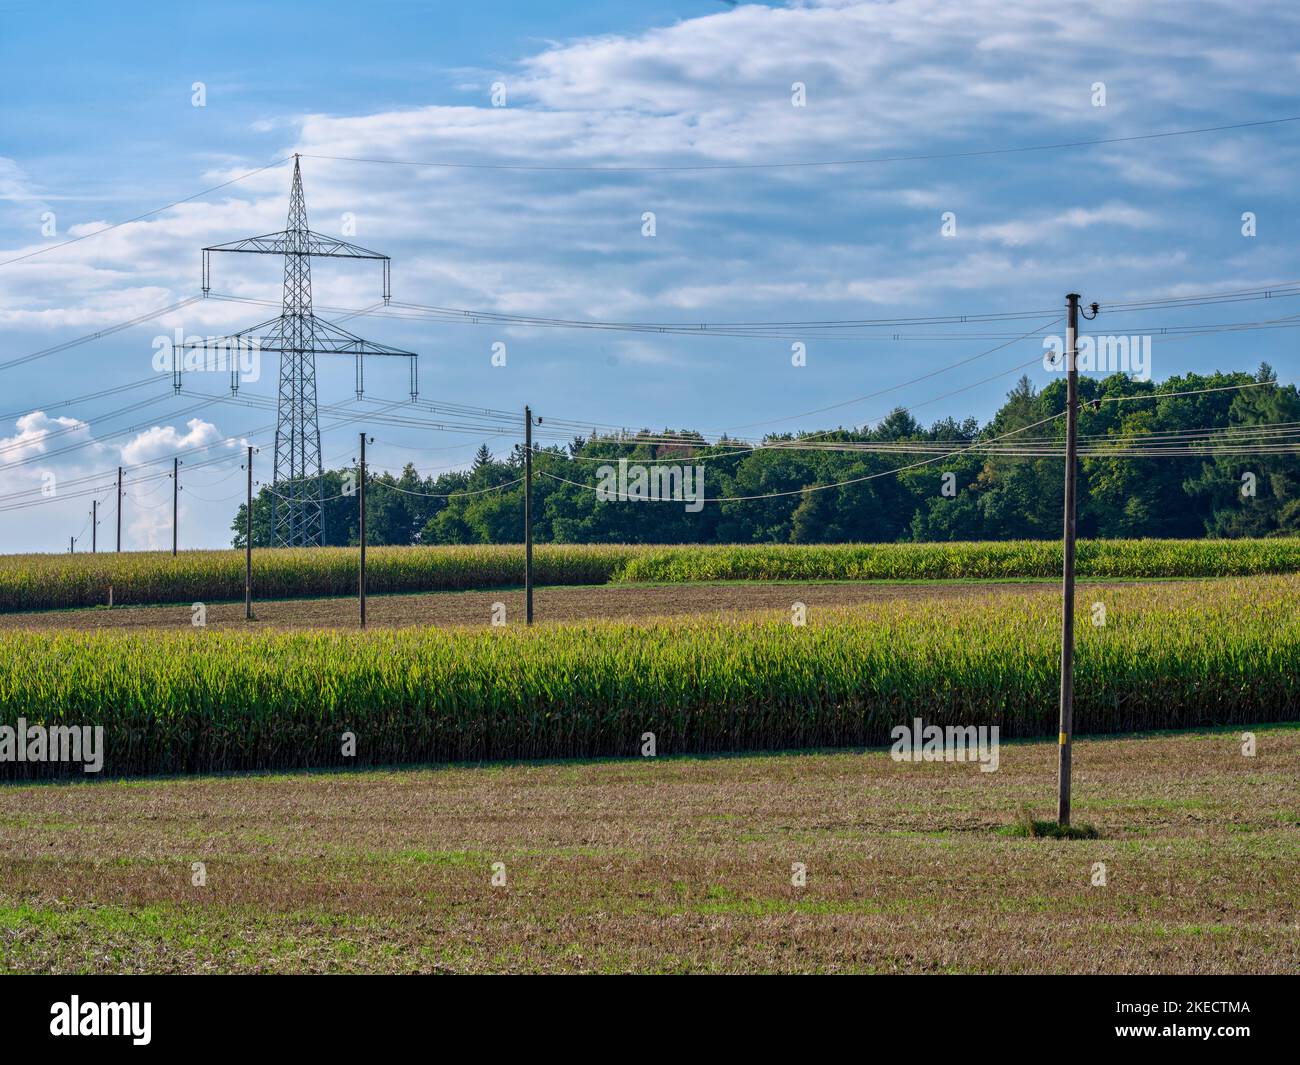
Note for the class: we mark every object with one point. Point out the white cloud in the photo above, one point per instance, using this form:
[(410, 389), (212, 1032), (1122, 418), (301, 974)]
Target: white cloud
[(33, 431), (165, 440), (1018, 232), (645, 354)]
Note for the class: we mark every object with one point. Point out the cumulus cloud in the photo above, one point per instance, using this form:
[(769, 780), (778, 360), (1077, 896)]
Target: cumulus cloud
[(34, 430), (166, 440), (63, 463), (1045, 228)]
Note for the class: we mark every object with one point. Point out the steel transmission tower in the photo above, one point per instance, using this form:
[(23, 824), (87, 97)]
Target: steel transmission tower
[(298, 336)]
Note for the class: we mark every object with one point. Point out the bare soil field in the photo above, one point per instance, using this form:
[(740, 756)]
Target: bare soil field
[(560, 604), (670, 864)]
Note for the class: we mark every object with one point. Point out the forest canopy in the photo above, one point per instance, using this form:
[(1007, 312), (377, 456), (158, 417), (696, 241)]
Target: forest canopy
[(987, 497)]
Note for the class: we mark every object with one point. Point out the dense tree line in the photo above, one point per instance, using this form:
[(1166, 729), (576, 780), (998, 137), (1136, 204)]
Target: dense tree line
[(989, 497)]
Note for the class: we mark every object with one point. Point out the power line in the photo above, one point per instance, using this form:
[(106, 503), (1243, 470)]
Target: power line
[(812, 441), (383, 417), (141, 217), (378, 417), (79, 424), (905, 384), (69, 448), (1130, 446), (100, 394), (802, 164), (824, 329), (838, 484), (641, 438), (1204, 435), (482, 419), (1284, 288), (161, 475), (1188, 392), (946, 454), (507, 416), (460, 315), (148, 316), (759, 328), (432, 312), (374, 484)]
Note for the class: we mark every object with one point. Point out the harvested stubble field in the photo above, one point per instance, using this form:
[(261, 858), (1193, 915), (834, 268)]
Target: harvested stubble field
[(625, 602), (671, 864)]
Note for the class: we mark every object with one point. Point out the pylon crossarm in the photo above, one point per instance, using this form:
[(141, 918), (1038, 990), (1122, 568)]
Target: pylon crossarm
[(304, 242), (335, 340), (276, 335), (244, 336)]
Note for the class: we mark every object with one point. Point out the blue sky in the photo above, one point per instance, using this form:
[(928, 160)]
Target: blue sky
[(97, 125)]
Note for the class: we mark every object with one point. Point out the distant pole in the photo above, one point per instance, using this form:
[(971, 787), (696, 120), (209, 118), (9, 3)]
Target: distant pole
[(528, 515), (94, 526), (248, 544), (362, 576), (119, 508), (176, 488), (72, 545), (1067, 575)]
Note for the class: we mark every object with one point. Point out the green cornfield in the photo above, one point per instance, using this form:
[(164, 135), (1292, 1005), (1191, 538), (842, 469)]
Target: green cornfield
[(39, 582), (1168, 656), (986, 560)]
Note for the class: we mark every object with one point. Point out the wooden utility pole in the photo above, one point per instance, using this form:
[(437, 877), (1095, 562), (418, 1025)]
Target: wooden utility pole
[(528, 516), (176, 488), (94, 526), (362, 576), (1067, 574), (119, 509), (72, 545), (248, 543)]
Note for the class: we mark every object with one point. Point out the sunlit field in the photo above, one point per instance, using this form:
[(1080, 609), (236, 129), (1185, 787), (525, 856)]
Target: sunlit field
[(671, 865)]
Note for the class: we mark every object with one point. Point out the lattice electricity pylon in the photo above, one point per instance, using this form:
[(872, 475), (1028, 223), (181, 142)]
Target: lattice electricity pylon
[(298, 336)]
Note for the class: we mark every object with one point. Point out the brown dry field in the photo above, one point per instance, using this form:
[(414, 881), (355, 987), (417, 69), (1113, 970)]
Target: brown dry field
[(550, 604), (670, 865)]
